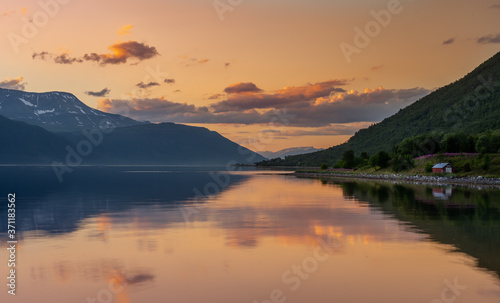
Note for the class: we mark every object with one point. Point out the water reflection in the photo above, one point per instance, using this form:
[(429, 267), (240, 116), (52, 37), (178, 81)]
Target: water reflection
[(146, 233), (442, 193), (48, 206), (466, 218)]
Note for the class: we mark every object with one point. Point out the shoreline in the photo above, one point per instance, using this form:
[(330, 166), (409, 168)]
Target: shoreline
[(396, 178)]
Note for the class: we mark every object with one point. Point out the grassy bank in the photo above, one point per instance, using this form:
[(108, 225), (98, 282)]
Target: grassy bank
[(467, 166)]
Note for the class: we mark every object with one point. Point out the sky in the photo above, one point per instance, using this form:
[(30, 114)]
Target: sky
[(266, 74)]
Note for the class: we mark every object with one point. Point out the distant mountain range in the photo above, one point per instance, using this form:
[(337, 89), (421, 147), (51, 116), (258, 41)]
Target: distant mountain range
[(289, 152), (470, 105), (42, 128)]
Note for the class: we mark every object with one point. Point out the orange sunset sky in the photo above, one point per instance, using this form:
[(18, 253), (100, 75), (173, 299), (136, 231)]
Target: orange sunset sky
[(333, 66)]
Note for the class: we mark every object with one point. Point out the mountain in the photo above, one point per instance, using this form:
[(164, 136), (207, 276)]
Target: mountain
[(29, 144), (470, 105), (165, 144), (289, 152), (149, 144), (41, 128), (56, 111)]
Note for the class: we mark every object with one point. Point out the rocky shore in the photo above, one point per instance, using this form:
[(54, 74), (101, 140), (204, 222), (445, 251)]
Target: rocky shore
[(417, 179)]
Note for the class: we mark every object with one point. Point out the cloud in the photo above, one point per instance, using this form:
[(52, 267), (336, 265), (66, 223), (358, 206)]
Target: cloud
[(490, 39), (16, 83), (147, 85), (449, 41), (101, 93), (246, 96), (227, 65), (154, 109), (138, 279), (120, 53), (341, 129), (314, 105), (163, 110), (374, 68), (41, 55), (241, 87), (125, 30), (215, 96), (169, 81), (496, 6), (189, 61), (7, 13), (65, 59)]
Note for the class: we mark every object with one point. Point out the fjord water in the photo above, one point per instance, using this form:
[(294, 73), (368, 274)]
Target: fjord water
[(191, 234)]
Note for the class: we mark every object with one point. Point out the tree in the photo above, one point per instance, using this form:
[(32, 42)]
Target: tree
[(455, 143), (380, 159), (349, 158), (324, 166), (483, 144), (383, 159), (400, 163), (486, 162), (365, 156)]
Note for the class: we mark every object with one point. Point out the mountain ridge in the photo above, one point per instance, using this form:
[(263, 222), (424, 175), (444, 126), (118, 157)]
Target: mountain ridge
[(54, 127), (470, 105), (57, 111)]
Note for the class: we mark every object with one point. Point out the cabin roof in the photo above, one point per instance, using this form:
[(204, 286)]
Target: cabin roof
[(442, 165)]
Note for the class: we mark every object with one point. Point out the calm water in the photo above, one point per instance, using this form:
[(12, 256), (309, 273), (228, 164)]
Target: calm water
[(175, 234)]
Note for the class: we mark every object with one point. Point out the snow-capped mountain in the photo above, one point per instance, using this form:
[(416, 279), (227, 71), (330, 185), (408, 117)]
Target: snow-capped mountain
[(56, 111)]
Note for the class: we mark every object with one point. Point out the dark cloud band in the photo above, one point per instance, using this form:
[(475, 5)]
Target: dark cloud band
[(120, 53)]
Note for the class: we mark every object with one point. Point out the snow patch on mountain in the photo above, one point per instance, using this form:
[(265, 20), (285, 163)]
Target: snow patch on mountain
[(26, 102), (41, 112), (56, 111)]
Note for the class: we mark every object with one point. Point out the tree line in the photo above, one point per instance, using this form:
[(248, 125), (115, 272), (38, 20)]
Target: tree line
[(403, 154)]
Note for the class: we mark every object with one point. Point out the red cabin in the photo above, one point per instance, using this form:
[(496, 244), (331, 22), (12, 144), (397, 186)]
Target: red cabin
[(444, 168)]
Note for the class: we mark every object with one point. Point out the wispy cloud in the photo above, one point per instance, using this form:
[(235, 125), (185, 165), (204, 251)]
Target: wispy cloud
[(169, 81), (102, 93), (12, 12), (6, 13), (190, 61), (215, 96), (66, 59), (125, 30), (346, 129), (16, 83), (120, 53), (489, 39), (147, 85), (449, 41), (374, 68)]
